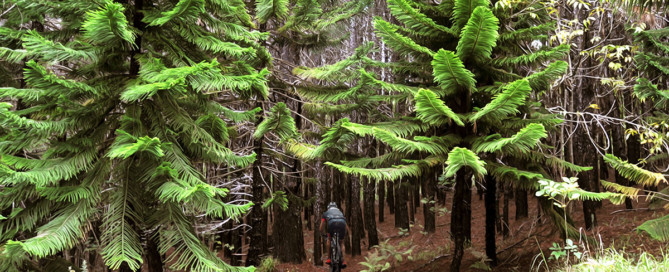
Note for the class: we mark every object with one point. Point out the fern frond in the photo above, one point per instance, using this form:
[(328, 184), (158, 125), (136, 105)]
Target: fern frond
[(126, 145), (626, 190), (182, 11), (432, 110), (279, 121), (534, 57), (186, 251), (393, 173), (395, 142), (521, 142), (658, 228), (61, 233), (450, 73), (416, 22), (266, 9), (402, 45), (479, 36), (633, 172), (463, 10), (108, 25), (462, 157), (505, 103), (121, 243), (36, 45)]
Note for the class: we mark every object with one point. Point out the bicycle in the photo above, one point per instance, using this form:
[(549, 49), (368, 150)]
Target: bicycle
[(337, 260)]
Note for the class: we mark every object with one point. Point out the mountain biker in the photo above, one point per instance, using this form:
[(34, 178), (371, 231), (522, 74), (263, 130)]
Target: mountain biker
[(336, 223)]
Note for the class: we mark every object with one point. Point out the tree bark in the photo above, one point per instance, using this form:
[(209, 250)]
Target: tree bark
[(401, 209), (429, 218), (370, 217), (390, 196), (521, 203), (381, 190), (490, 219), (258, 216), (152, 257), (505, 211), (357, 229), (459, 217), (318, 210)]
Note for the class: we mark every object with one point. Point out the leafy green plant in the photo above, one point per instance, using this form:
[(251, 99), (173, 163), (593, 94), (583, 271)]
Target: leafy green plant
[(374, 262), (267, 264)]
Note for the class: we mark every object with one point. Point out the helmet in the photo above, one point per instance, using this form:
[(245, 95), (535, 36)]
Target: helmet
[(332, 205)]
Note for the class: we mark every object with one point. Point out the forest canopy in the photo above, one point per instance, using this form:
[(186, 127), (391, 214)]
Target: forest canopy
[(213, 135)]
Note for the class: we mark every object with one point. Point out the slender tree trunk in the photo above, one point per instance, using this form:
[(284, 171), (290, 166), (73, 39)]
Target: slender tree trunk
[(521, 203), (152, 257), (258, 216), (370, 217), (505, 211), (459, 217), (412, 206), (357, 228), (586, 96), (391, 196), (348, 211), (490, 218), (318, 210), (498, 216), (401, 209), (429, 218), (381, 190)]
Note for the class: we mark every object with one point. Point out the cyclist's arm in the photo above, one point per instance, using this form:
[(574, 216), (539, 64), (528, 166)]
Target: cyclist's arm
[(320, 228)]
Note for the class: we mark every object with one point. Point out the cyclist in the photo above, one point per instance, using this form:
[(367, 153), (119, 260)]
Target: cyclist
[(336, 223)]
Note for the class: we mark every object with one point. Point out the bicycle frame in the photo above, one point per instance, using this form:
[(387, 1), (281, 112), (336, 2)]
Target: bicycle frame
[(336, 261)]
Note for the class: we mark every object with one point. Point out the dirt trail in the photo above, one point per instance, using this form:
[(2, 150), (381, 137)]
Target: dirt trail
[(516, 252)]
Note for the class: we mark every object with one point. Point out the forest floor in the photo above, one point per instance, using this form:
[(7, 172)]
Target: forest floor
[(517, 252)]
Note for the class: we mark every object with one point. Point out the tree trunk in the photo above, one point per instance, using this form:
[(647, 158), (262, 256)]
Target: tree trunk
[(490, 218), (391, 196), (152, 257), (498, 220), (521, 203), (287, 233), (412, 206), (357, 228), (318, 211), (258, 216), (401, 209), (459, 218), (381, 190), (429, 218), (585, 96), (505, 211), (370, 217)]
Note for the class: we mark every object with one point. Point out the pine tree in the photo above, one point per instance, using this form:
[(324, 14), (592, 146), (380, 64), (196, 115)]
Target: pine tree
[(652, 87), (121, 117), (472, 90)]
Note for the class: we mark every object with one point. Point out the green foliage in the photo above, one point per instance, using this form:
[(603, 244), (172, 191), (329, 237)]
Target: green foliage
[(108, 25), (432, 110), (462, 157), (450, 72), (268, 264), (633, 172), (478, 36), (505, 103), (266, 9), (656, 228), (279, 121), (278, 198), (119, 132)]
